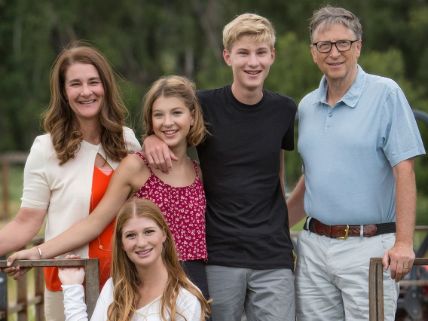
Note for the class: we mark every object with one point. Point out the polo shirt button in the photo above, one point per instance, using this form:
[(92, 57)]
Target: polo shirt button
[(330, 115)]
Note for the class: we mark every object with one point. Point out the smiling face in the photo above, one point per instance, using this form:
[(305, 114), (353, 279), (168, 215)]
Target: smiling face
[(84, 91), (250, 61), (142, 241), (171, 120), (336, 66)]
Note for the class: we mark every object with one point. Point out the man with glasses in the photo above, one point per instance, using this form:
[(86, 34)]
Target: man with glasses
[(357, 140)]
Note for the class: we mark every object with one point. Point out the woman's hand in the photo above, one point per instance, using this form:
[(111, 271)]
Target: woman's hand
[(71, 275), (16, 271)]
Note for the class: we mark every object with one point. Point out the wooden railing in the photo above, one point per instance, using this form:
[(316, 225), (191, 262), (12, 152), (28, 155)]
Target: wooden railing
[(376, 305), (22, 305)]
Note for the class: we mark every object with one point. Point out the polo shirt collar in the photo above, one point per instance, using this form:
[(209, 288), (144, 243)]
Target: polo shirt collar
[(352, 95)]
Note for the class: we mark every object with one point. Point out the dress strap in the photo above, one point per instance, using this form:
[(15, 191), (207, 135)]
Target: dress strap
[(144, 159), (196, 167)]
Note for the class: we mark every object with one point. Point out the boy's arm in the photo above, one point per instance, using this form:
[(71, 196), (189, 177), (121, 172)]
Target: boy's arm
[(158, 153)]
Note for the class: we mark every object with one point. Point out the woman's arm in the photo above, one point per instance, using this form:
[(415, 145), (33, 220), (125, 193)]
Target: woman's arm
[(84, 231), (35, 200), (21, 230)]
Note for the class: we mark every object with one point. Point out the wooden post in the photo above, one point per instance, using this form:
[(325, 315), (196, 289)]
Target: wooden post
[(39, 295), (22, 298), (376, 311), (92, 284), (3, 295), (376, 307)]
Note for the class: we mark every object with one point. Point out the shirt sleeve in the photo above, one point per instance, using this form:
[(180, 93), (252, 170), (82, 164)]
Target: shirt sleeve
[(75, 306), (74, 303), (402, 139), (36, 191), (189, 306)]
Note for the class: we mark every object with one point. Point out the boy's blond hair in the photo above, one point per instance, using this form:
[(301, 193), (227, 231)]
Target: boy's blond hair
[(248, 24)]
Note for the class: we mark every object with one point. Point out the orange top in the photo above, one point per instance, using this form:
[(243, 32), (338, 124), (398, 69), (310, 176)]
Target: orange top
[(98, 248)]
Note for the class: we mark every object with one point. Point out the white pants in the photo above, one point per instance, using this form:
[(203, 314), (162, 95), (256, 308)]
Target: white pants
[(332, 277)]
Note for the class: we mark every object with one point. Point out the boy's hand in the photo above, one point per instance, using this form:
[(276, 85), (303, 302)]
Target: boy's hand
[(158, 153)]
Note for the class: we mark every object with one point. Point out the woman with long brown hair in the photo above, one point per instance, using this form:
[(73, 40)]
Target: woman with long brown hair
[(148, 282), (69, 167)]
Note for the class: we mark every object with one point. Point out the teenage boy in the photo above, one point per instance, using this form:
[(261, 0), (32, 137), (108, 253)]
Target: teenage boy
[(249, 248)]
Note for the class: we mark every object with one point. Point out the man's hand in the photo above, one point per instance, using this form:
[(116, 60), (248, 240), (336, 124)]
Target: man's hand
[(399, 259), (158, 153)]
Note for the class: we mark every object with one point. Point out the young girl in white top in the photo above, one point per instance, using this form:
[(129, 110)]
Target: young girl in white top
[(148, 282)]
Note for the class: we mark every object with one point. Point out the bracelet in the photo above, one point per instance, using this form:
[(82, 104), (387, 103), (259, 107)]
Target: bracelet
[(40, 251)]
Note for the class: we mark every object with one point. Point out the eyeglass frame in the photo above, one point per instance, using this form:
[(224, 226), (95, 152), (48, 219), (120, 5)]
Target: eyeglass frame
[(351, 42)]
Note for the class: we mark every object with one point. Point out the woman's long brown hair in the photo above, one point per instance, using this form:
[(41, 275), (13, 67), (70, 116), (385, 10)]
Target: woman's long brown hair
[(59, 120)]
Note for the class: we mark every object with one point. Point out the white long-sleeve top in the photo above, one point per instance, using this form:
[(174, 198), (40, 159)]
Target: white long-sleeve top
[(64, 190), (75, 307)]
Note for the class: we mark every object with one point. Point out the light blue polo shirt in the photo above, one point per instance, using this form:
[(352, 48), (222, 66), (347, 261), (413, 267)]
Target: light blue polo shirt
[(348, 151)]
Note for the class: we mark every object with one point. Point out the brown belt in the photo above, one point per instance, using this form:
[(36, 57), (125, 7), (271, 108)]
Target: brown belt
[(345, 231)]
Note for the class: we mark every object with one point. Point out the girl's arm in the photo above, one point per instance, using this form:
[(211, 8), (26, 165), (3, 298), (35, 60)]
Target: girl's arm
[(83, 232)]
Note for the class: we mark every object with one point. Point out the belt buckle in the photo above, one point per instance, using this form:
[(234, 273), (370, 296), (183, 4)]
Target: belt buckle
[(346, 233)]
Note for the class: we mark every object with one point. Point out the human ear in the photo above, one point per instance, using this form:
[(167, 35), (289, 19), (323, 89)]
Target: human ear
[(314, 54), (226, 57)]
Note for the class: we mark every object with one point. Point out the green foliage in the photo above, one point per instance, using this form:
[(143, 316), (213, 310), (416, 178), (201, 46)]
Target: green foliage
[(146, 39)]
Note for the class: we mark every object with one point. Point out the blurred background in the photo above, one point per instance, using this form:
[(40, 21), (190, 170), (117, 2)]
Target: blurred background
[(147, 39)]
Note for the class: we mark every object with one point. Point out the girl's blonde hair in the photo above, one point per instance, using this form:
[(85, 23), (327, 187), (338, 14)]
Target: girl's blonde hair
[(125, 276), (184, 89), (59, 120)]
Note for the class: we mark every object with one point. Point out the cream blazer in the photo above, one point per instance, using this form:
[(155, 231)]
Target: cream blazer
[(64, 191)]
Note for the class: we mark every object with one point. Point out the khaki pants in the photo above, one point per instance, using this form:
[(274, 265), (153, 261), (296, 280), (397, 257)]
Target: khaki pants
[(332, 281)]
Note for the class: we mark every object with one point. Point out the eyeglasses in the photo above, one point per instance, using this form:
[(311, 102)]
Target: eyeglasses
[(341, 45)]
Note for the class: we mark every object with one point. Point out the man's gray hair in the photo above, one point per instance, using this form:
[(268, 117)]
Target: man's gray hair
[(328, 15)]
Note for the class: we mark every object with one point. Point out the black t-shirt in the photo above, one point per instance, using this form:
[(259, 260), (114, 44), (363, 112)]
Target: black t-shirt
[(247, 218)]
